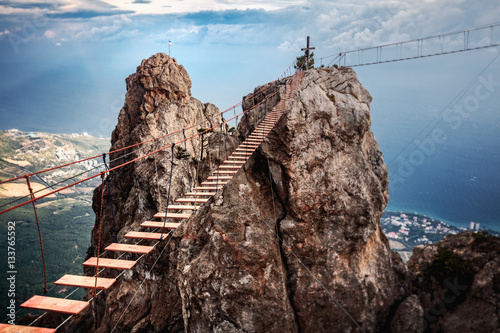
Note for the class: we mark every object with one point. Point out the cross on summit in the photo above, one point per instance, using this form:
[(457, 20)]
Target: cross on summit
[(307, 52)]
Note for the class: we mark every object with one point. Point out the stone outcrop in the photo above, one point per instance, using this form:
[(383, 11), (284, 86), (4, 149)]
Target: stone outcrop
[(455, 285), (299, 230)]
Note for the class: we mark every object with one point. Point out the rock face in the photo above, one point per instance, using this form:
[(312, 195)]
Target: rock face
[(292, 244), (298, 232), (456, 284)]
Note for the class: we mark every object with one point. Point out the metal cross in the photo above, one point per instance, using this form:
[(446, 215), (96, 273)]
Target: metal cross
[(307, 52)]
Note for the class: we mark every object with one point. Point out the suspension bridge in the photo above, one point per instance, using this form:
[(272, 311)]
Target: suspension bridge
[(454, 42)]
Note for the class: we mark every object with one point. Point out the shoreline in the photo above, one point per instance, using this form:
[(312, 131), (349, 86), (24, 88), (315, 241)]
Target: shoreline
[(440, 219), (406, 230)]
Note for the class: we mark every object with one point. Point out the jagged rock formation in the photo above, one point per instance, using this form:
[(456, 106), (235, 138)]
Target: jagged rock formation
[(455, 286)]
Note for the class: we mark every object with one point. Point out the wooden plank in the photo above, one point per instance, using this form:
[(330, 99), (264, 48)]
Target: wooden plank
[(179, 216), (182, 207), (129, 248), (157, 224), (229, 172), (5, 328), (199, 194), (248, 145), (237, 162), (219, 178), (61, 305), (241, 154), (244, 149), (84, 281), (110, 263), (208, 188), (236, 158), (223, 182), (194, 200), (229, 167), (145, 235)]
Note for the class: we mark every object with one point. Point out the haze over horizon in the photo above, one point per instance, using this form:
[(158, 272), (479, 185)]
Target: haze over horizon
[(64, 63)]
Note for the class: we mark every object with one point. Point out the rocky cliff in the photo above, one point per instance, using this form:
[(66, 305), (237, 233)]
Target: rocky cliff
[(455, 286), (292, 243)]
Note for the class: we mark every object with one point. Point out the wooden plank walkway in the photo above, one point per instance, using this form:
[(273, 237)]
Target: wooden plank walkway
[(60, 305), (4, 328)]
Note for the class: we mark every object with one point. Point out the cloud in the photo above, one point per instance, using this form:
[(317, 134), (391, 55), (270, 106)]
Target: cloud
[(87, 14), (333, 27), (27, 5), (50, 34)]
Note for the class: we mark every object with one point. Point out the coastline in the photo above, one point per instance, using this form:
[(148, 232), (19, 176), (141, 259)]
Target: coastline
[(424, 213), (406, 230)]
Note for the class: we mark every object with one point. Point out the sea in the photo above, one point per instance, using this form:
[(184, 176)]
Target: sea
[(442, 149)]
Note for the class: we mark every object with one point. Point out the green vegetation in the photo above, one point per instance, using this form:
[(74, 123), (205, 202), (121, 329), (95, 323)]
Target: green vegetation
[(482, 237), (181, 153), (302, 59), (448, 266), (204, 143)]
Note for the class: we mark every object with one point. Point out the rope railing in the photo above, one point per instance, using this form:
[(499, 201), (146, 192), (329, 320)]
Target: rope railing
[(129, 162)]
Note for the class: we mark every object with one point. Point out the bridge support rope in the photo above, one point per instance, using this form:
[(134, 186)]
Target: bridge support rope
[(45, 290)]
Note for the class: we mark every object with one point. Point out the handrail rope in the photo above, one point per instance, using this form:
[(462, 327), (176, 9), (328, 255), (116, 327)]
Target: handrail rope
[(123, 164), (443, 113), (218, 161), (225, 138), (50, 169), (169, 186), (110, 199), (158, 185), (52, 185), (99, 235), (153, 139), (127, 154), (157, 242), (45, 290), (96, 167), (187, 160)]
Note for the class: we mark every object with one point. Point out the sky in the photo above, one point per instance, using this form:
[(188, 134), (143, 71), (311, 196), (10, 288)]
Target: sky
[(63, 65)]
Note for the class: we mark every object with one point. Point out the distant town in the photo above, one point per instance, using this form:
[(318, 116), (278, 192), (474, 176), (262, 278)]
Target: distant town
[(407, 230)]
